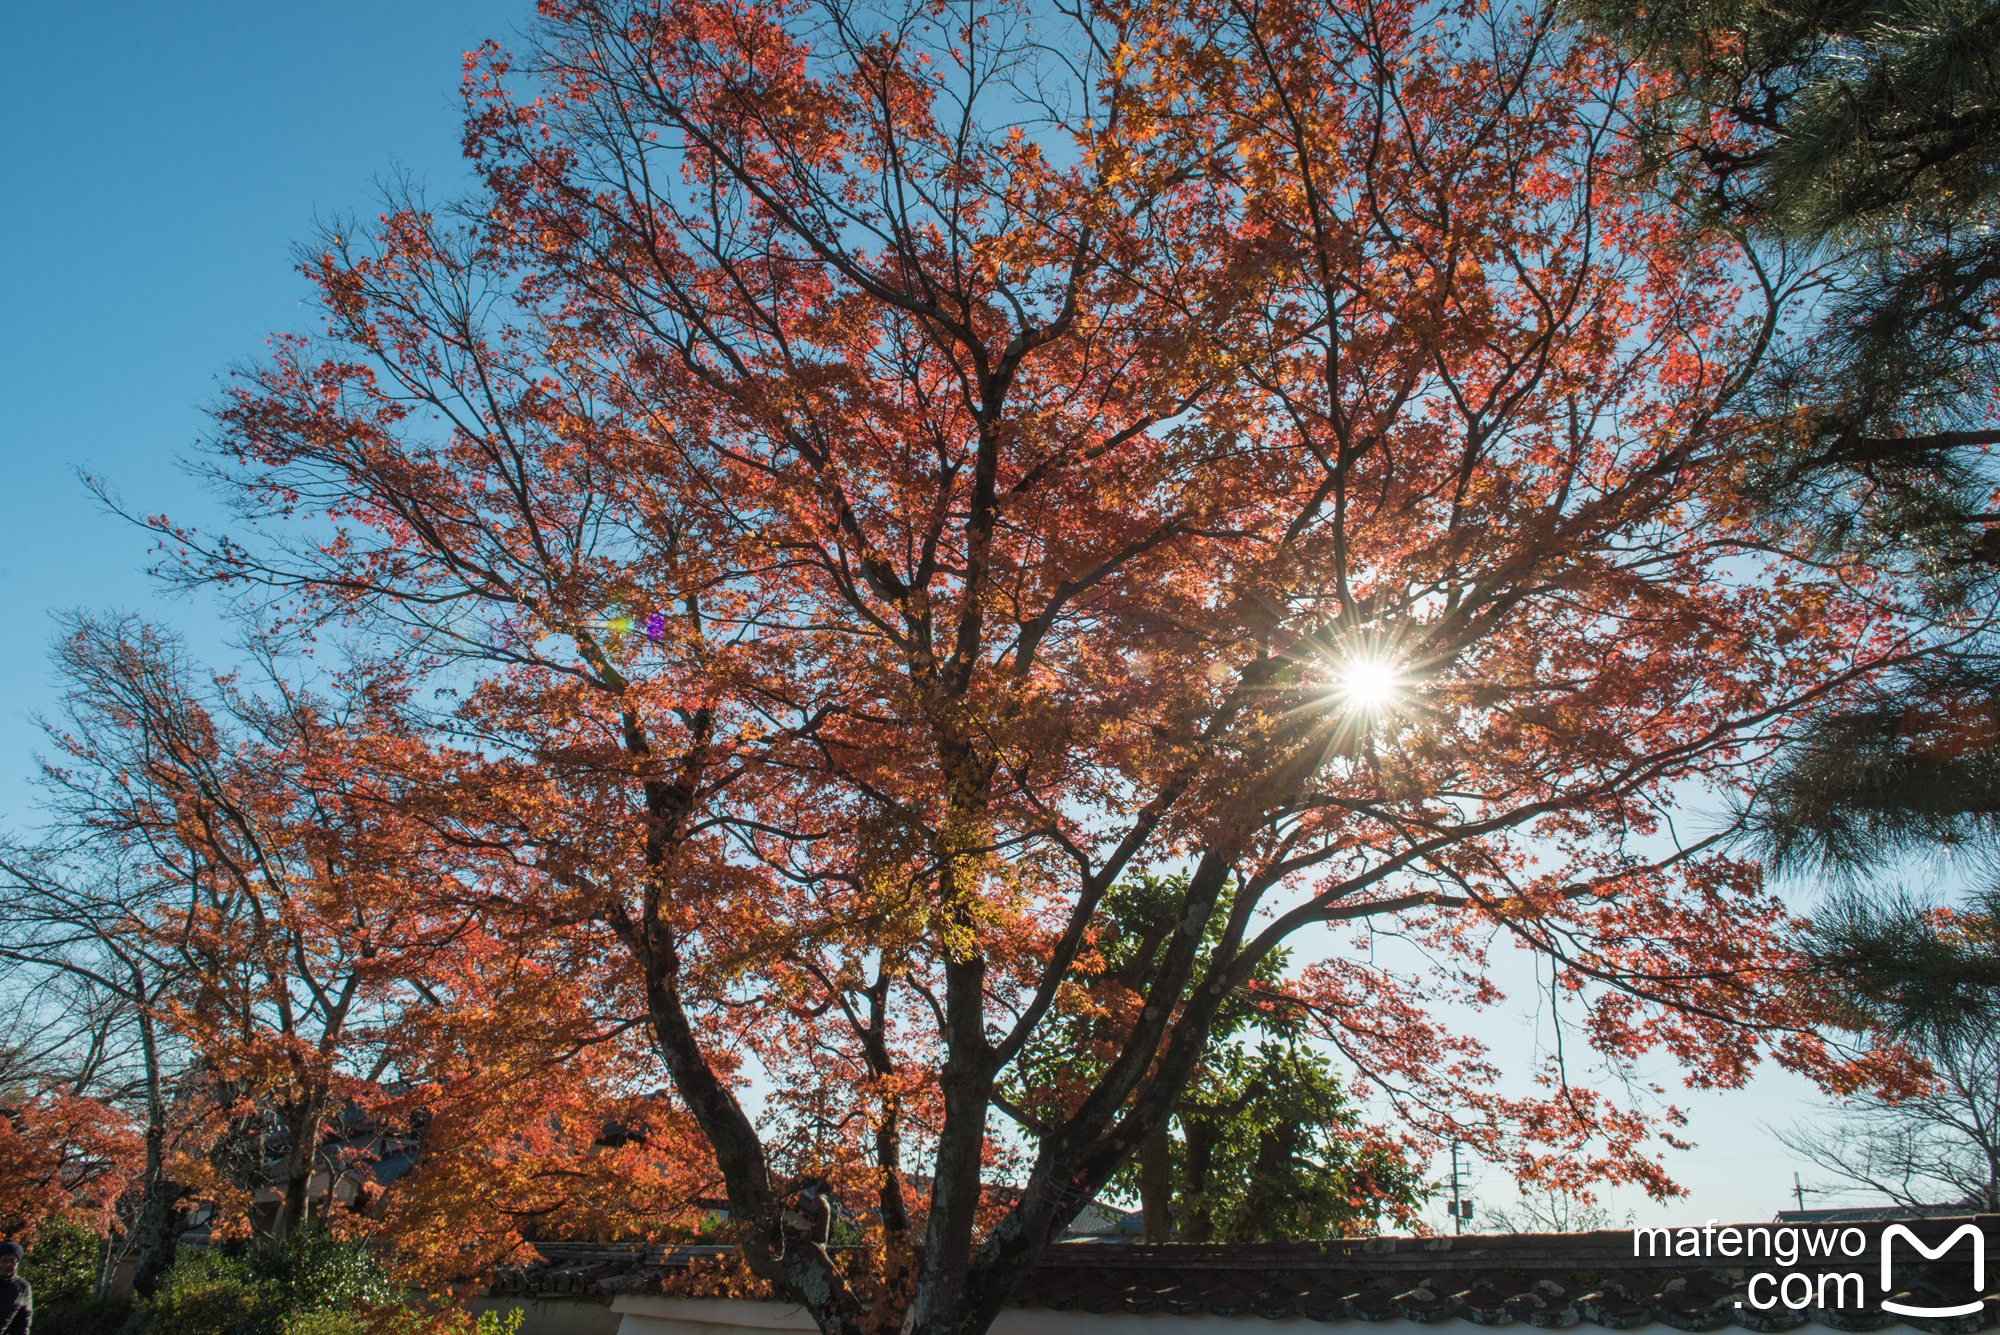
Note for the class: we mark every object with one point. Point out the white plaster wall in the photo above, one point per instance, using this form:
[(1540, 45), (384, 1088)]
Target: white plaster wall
[(553, 1316), (652, 1315)]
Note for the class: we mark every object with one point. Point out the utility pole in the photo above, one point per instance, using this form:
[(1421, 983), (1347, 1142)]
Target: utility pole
[(1458, 1205), (1799, 1191)]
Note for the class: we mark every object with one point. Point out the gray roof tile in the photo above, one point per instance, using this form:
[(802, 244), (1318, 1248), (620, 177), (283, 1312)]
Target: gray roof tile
[(1550, 1281)]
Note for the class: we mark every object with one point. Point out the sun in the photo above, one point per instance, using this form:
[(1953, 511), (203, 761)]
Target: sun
[(1369, 682)]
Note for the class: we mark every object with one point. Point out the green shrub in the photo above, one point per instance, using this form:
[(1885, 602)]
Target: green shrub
[(63, 1264), (93, 1316), (397, 1320), (326, 1323), (313, 1284), (318, 1272), (207, 1293)]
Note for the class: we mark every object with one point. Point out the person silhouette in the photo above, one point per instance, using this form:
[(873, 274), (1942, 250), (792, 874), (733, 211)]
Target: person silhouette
[(17, 1298)]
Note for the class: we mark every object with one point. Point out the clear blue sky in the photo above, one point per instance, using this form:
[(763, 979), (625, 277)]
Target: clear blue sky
[(159, 162)]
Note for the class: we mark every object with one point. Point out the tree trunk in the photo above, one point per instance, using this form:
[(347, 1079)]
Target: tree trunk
[(301, 1124), (1197, 1213), (1264, 1200), (157, 1231), (1156, 1187), (291, 1215)]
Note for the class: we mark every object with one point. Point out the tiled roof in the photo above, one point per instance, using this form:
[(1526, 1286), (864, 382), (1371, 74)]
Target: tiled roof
[(1547, 1280), (1856, 1214), (600, 1270)]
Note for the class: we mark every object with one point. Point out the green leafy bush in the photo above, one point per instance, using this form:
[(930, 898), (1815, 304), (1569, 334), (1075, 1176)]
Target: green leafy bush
[(315, 1284), (93, 1316), (63, 1267), (63, 1264), (207, 1293), (326, 1323), (316, 1272)]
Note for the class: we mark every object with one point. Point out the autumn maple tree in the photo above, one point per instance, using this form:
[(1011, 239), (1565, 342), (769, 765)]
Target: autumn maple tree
[(232, 864), (864, 485), (65, 1157)]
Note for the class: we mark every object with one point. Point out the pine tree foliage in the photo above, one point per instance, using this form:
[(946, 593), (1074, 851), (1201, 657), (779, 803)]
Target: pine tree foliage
[(1832, 114), (1869, 129), (1931, 977), (1898, 963), (1904, 773), (1938, 1146)]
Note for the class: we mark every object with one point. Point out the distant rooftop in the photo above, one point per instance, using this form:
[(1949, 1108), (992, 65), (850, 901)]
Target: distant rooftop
[(1863, 1214), (1550, 1280)]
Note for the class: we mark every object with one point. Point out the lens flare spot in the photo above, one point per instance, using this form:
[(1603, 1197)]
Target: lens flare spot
[(1369, 683)]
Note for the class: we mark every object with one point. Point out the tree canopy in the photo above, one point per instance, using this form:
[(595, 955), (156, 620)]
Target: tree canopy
[(852, 489), (1869, 132)]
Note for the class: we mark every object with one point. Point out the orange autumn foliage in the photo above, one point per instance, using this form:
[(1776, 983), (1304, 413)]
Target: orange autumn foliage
[(852, 532), (313, 1001), (63, 1157)]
